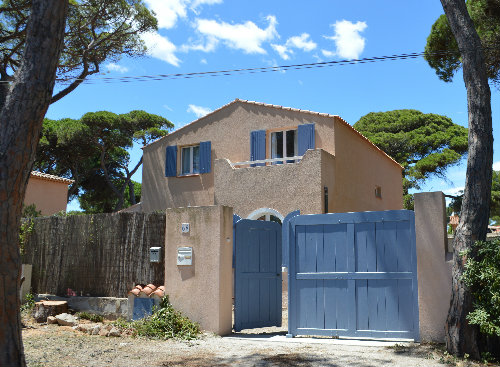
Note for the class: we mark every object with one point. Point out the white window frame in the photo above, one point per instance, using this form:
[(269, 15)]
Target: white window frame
[(295, 144), (191, 159)]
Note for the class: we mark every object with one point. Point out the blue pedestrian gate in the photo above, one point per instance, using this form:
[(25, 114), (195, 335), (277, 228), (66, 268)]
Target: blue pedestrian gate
[(354, 275), (257, 273)]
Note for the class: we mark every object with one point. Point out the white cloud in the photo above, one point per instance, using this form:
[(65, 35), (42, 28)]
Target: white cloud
[(167, 107), (247, 36), (348, 41), (161, 48), (207, 45), (327, 53), (454, 190), (282, 50), (302, 42), (203, 61), (115, 67), (196, 3), (496, 166), (168, 11), (199, 111)]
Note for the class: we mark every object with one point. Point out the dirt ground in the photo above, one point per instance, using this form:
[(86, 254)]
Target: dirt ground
[(52, 345), (60, 346)]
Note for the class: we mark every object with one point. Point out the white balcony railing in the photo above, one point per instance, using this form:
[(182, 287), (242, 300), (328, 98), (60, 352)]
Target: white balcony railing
[(267, 162)]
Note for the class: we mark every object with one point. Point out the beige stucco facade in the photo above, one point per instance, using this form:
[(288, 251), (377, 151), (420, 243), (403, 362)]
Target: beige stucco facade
[(342, 161), (49, 193), (203, 290)]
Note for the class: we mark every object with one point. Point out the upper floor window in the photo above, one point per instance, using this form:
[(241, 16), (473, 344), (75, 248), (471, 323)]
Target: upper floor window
[(284, 144), (190, 160)]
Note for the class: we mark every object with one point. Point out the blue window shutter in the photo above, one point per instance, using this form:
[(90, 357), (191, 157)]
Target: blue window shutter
[(171, 161), (306, 139), (205, 157), (258, 146)]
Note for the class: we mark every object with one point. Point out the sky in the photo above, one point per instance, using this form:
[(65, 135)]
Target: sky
[(208, 35)]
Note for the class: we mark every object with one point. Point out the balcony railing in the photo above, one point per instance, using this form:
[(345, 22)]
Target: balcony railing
[(266, 162)]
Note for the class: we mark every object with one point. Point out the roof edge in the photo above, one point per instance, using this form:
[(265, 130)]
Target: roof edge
[(286, 109), (344, 122), (48, 177), (193, 122)]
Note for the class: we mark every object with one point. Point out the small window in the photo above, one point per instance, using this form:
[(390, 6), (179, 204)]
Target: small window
[(378, 192), (284, 144), (190, 160)]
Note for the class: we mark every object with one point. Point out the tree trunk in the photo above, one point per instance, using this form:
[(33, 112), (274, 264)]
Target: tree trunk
[(461, 337), (21, 118)]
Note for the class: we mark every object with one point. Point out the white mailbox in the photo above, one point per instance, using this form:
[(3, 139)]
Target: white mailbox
[(184, 256), (155, 254)]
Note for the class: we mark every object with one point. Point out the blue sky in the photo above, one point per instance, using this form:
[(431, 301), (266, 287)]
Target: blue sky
[(206, 35)]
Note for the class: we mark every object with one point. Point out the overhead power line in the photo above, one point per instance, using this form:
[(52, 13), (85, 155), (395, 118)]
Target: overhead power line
[(202, 74), (255, 70)]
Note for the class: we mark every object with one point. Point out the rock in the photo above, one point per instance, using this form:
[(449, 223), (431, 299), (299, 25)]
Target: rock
[(95, 330), (51, 320), (103, 332), (85, 328), (65, 319), (44, 309), (114, 332)]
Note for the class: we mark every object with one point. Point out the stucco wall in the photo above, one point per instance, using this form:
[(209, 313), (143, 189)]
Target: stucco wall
[(229, 132), (283, 187), (360, 167), (203, 290), (434, 265), (48, 196)]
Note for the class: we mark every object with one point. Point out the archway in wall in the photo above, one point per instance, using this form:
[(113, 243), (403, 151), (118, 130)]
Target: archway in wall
[(267, 214)]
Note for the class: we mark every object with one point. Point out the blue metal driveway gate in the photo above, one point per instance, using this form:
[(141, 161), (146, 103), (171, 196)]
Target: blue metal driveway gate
[(257, 272), (353, 275)]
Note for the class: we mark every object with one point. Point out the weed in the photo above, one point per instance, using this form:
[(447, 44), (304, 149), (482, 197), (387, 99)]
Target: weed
[(29, 303), (164, 323), (90, 316)]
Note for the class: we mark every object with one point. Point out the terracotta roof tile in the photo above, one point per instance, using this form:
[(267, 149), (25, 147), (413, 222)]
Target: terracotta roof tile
[(46, 176), (149, 290)]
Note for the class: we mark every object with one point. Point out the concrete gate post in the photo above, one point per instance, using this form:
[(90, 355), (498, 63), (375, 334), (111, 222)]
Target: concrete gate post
[(433, 263), (201, 290)]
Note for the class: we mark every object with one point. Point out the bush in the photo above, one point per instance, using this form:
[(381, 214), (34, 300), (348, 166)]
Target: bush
[(90, 316), (482, 276), (29, 303), (164, 323)]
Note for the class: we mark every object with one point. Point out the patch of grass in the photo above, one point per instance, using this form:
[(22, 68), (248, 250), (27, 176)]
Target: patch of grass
[(90, 316), (164, 323)]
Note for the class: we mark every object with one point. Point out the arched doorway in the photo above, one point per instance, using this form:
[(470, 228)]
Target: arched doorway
[(267, 214)]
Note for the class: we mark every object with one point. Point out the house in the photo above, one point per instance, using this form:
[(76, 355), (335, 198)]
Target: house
[(266, 160), (49, 193)]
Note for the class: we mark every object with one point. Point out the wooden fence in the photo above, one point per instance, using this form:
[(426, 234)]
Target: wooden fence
[(95, 255)]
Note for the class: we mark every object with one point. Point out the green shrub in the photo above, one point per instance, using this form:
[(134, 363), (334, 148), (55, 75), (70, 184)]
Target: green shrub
[(90, 316), (164, 323), (482, 276), (29, 303)]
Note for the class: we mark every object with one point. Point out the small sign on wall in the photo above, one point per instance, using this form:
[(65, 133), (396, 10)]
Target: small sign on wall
[(185, 227)]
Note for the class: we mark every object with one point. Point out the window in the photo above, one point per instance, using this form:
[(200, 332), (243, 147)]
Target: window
[(284, 144), (378, 192), (190, 160)]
